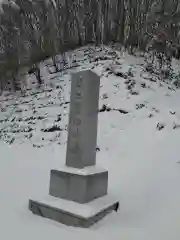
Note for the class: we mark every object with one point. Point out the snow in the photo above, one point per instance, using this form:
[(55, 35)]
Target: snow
[(83, 172), (142, 162)]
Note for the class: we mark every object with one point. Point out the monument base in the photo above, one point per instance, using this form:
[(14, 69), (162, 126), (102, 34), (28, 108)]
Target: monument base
[(71, 213), (78, 185)]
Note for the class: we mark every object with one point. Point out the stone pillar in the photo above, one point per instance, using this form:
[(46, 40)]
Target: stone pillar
[(82, 132), (79, 184)]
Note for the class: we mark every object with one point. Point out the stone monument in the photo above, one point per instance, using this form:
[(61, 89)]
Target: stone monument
[(78, 191)]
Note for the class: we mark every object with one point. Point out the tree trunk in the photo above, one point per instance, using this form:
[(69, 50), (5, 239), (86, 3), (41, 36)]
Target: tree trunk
[(55, 63), (37, 73)]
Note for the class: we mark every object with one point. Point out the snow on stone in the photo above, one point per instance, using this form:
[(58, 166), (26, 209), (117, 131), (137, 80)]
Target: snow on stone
[(141, 157)]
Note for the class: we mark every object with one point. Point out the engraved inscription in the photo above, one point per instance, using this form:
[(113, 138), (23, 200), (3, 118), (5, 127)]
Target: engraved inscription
[(78, 95), (76, 121), (79, 82), (77, 107), (74, 146), (75, 132)]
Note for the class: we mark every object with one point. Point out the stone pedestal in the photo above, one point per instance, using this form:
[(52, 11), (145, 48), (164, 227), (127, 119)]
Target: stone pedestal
[(78, 191), (79, 186), (72, 213)]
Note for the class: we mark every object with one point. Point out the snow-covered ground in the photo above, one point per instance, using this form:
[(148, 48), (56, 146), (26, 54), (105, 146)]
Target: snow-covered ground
[(138, 139)]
